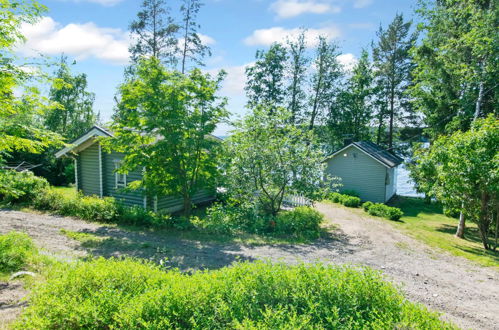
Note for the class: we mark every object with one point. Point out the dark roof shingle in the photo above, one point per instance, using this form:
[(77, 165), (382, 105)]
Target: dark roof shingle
[(384, 156)]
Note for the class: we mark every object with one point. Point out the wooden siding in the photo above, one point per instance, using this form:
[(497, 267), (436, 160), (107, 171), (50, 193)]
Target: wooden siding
[(391, 188), (359, 172), (173, 204), (129, 198), (88, 170)]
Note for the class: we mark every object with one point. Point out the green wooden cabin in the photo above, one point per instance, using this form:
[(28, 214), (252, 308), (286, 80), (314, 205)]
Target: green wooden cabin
[(367, 169), (95, 174)]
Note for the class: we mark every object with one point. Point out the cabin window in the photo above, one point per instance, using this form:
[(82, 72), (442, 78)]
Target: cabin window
[(120, 178)]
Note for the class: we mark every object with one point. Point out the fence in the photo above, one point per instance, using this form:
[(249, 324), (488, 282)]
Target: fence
[(294, 201)]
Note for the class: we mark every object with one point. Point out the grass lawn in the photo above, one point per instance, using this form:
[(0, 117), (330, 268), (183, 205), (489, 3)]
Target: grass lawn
[(427, 223), (67, 191)]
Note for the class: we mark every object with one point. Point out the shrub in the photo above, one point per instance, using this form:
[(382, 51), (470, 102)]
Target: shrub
[(16, 251), (350, 201), (385, 211), (20, 186), (130, 294), (302, 221), (367, 205), (231, 219), (335, 197)]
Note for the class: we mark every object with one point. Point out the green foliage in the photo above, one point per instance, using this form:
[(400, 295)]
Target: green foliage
[(462, 172), (382, 210), (301, 222), (17, 251), (92, 208), (20, 99), (367, 205), (455, 79), (268, 158), (350, 193), (350, 201), (164, 124), (130, 294), (392, 66), (345, 199), (20, 187)]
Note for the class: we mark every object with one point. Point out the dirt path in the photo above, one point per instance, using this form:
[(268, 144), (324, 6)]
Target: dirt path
[(467, 294)]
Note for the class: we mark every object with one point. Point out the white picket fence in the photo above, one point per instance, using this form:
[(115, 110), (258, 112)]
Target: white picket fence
[(294, 201)]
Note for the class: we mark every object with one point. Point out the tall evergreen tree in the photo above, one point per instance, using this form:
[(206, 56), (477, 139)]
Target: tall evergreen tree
[(192, 47), (393, 65), (266, 78), (154, 33)]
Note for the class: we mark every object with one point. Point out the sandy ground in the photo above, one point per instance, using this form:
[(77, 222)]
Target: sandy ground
[(465, 293)]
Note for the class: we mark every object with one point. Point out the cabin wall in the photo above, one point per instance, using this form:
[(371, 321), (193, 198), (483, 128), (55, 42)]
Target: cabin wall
[(359, 172), (173, 204), (88, 171), (128, 198), (391, 180)]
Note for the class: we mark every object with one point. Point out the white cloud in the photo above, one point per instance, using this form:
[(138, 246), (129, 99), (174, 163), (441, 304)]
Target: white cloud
[(82, 41), (292, 8), (347, 60), (361, 3), (265, 37), (233, 84)]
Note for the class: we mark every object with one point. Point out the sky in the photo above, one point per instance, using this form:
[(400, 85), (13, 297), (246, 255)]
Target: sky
[(94, 33)]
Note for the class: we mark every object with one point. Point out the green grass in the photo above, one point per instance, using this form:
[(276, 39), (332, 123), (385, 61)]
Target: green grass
[(66, 191), (427, 223)]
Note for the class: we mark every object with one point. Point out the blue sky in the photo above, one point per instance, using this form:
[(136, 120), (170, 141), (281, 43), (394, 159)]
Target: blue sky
[(94, 33)]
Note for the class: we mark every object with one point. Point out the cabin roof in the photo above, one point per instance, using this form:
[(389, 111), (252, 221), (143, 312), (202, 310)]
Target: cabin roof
[(383, 156)]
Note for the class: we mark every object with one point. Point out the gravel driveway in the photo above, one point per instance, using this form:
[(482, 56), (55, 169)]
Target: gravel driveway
[(466, 293)]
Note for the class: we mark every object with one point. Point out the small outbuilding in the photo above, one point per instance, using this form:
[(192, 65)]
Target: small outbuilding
[(96, 174), (367, 169)]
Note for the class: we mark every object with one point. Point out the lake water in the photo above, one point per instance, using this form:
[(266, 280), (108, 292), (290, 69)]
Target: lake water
[(405, 186)]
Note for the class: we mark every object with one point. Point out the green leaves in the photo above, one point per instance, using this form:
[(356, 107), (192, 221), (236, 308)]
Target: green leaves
[(268, 158), (164, 124)]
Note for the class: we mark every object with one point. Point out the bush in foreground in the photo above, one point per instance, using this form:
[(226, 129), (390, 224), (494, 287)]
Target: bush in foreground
[(347, 200), (17, 251), (129, 294), (382, 210), (301, 222), (20, 187)]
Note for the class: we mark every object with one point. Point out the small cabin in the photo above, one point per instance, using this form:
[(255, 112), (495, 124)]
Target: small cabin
[(366, 168), (96, 174)]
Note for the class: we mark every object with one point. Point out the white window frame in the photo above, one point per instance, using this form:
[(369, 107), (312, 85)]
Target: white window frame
[(118, 184)]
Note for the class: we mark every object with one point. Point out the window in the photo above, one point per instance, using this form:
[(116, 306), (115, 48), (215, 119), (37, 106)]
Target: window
[(120, 178)]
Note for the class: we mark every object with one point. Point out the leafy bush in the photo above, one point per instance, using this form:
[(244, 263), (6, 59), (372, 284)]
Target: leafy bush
[(231, 219), (92, 208), (367, 205), (385, 211), (130, 294), (335, 197), (16, 251), (345, 199), (302, 221), (350, 201), (20, 186)]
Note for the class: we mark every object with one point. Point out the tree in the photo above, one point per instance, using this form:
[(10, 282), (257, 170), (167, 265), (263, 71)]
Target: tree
[(74, 115), (192, 46), (456, 64), (20, 127), (269, 158), (166, 130), (324, 82), (297, 74), (462, 171), (353, 111), (393, 65), (266, 78), (154, 33)]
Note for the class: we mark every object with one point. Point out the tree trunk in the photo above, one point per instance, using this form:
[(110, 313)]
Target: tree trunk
[(461, 225), (478, 106), (392, 109), (187, 206)]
